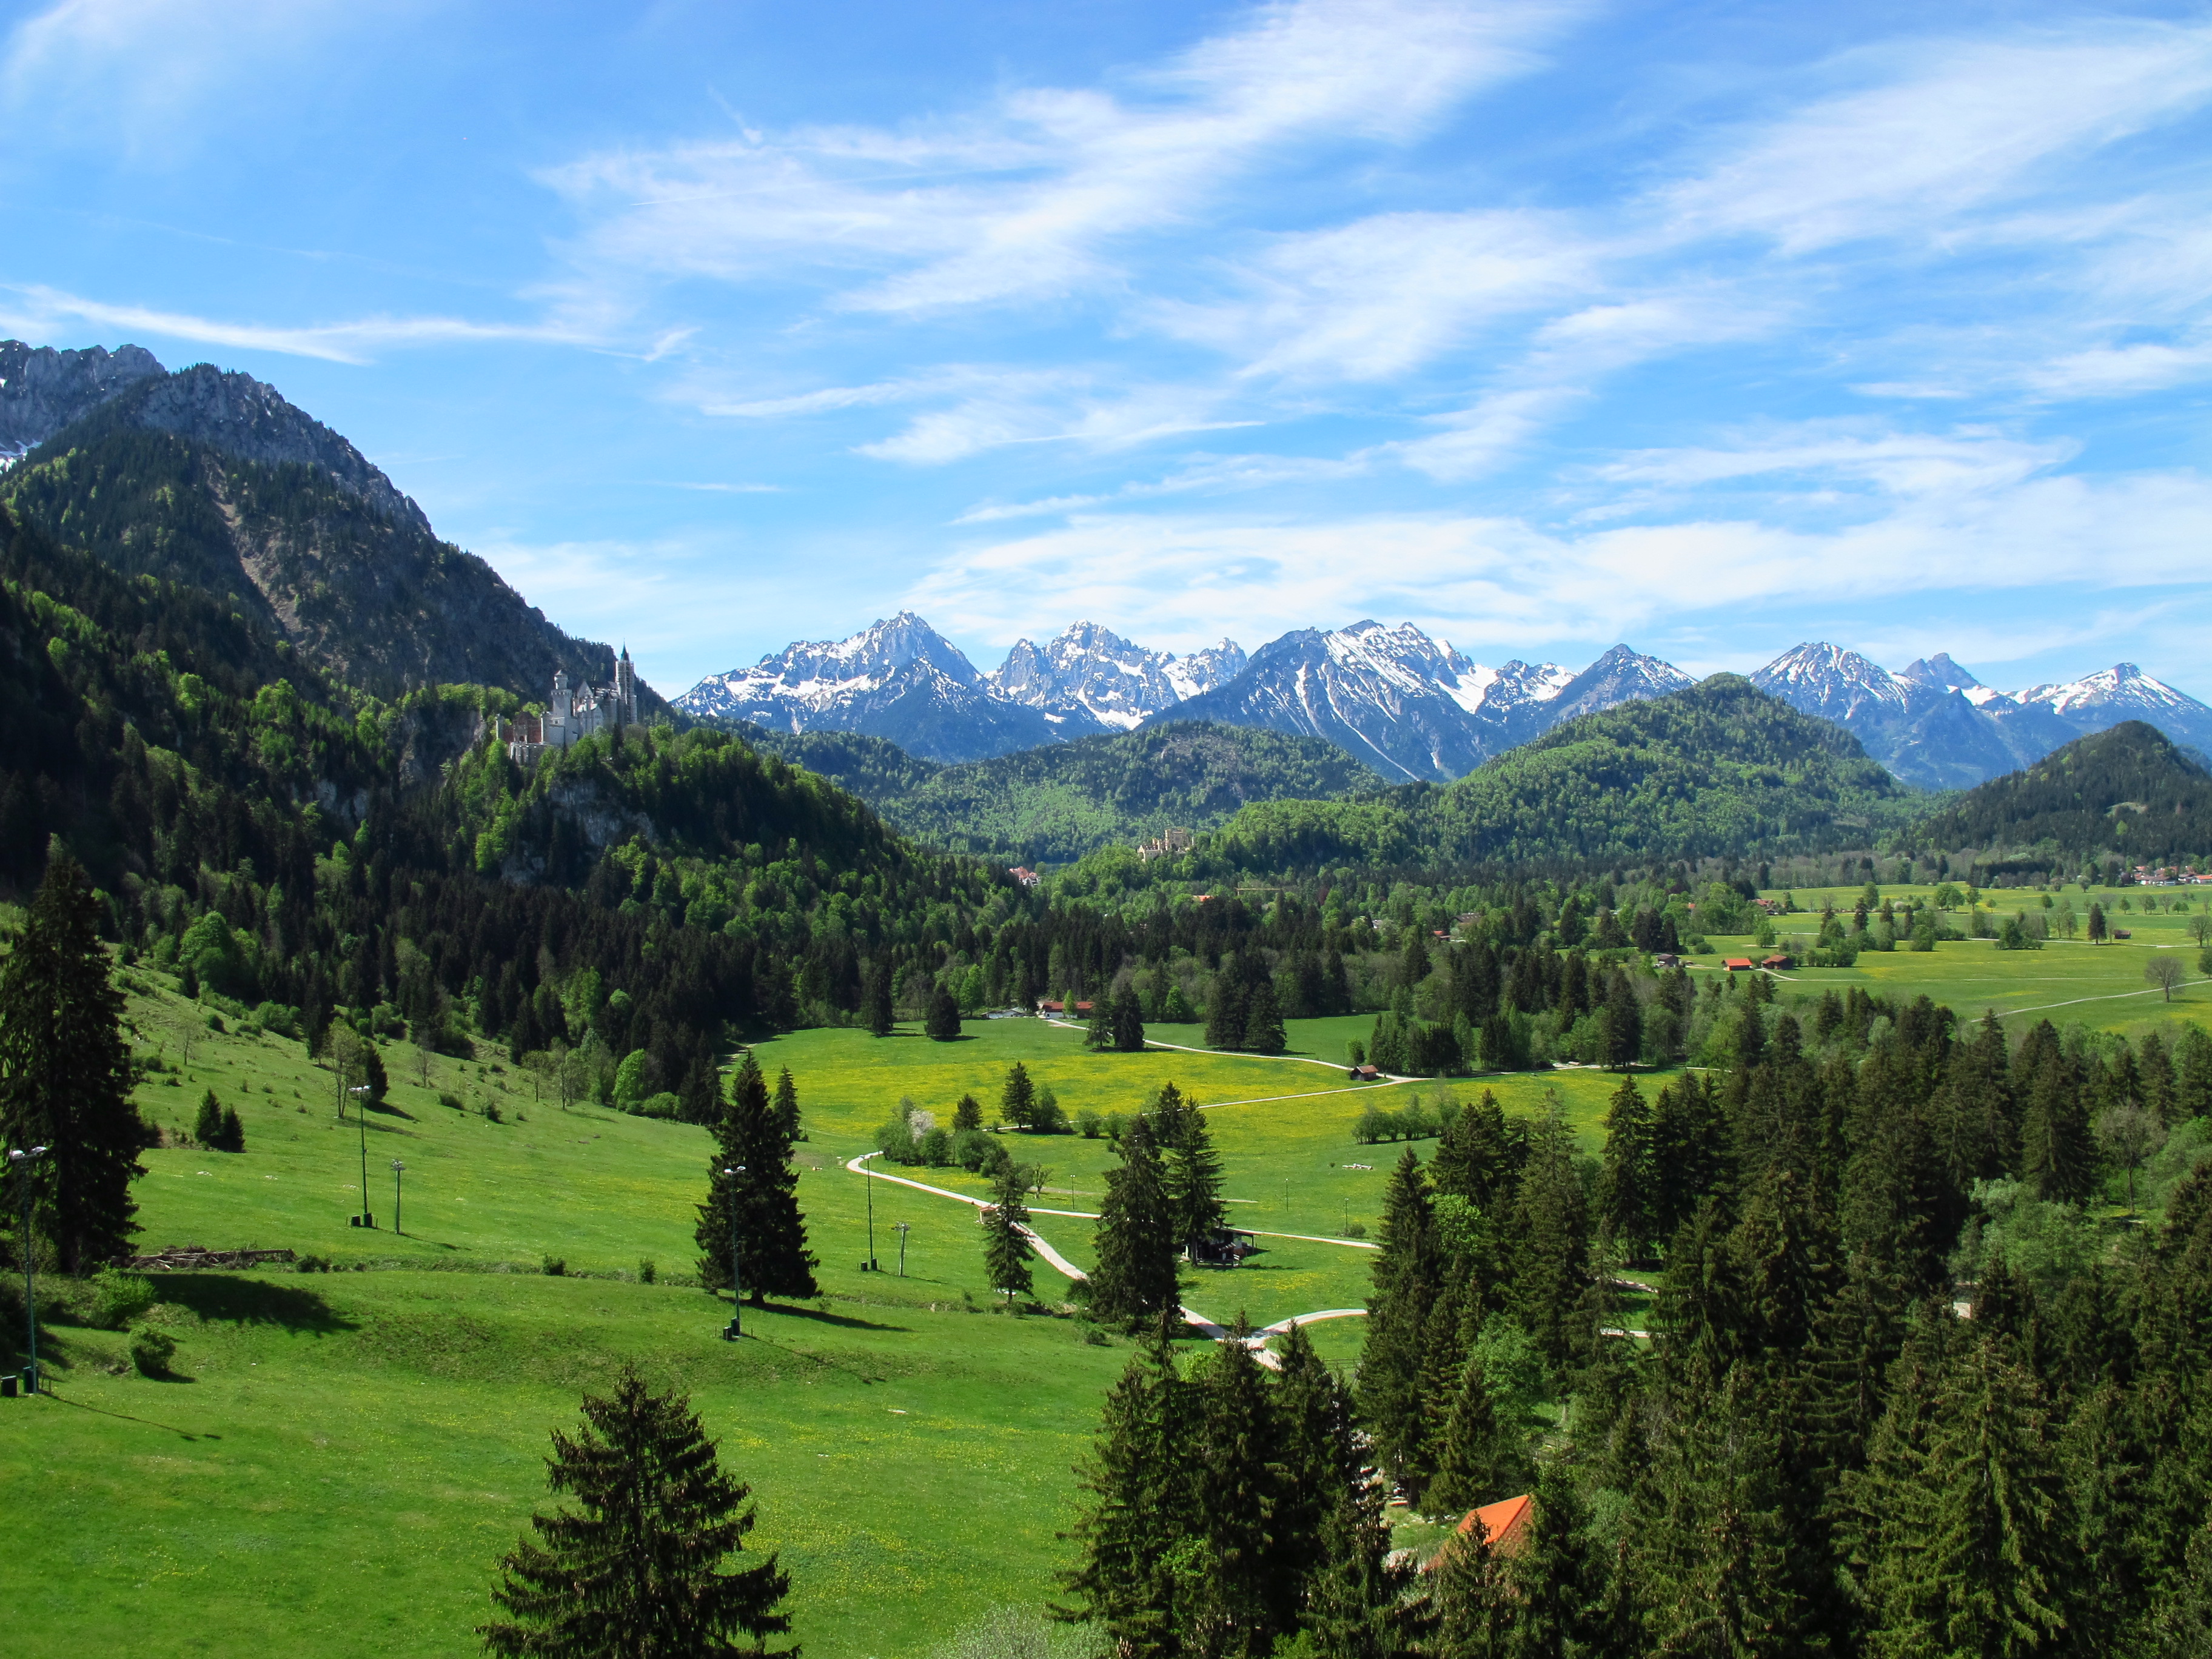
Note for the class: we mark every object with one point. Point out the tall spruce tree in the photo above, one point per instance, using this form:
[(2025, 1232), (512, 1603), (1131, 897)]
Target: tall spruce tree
[(1481, 1458), (1244, 1591), (771, 1232), (1551, 1270), (876, 1000), (1194, 1172), (1006, 1251), (941, 1015), (1357, 1606), (1406, 1281), (1133, 1282), (1263, 1021), (1627, 1206), (637, 1567), (1319, 1454), (66, 1076), (1141, 1508), (786, 1109), (1018, 1099), (1478, 1156), (1128, 1022)]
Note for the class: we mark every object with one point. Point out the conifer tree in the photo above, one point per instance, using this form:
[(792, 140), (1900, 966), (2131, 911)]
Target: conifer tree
[(2057, 1151), (968, 1114), (234, 1131), (1550, 1269), (1194, 1172), (1128, 1024), (1133, 1282), (763, 1195), (1471, 1608), (1626, 1205), (1245, 1592), (1100, 1036), (2181, 1621), (1224, 1013), (637, 1566), (1622, 1030), (1356, 1607), (1477, 1158), (1321, 1458), (941, 1021), (1479, 1459), (876, 1000), (66, 1076), (787, 1108), (1018, 1099), (1263, 1021), (374, 1075), (1124, 1580), (1405, 1287), (1006, 1249), (207, 1127)]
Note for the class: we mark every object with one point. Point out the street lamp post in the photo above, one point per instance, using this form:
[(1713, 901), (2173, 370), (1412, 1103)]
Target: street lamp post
[(733, 1330), (22, 1161), (397, 1168), (868, 1181), (361, 1115), (901, 1232)]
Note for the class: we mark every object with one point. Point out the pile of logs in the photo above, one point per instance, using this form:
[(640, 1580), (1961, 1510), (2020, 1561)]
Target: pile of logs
[(193, 1258)]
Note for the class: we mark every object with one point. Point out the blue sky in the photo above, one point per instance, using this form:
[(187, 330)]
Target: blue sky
[(1709, 327)]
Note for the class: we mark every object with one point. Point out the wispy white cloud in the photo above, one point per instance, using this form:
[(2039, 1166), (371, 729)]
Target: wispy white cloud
[(1945, 126), (38, 311), (1028, 197)]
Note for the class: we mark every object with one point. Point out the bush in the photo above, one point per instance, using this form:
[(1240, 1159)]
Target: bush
[(491, 1111), (151, 1351), (451, 1102), (667, 1104), (1089, 1123), (312, 1264), (1356, 1230), (645, 1271), (936, 1149), (556, 1266), (120, 1299), (1046, 1118)]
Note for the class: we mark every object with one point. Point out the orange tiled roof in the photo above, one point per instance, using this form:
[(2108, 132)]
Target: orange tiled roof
[(1504, 1523)]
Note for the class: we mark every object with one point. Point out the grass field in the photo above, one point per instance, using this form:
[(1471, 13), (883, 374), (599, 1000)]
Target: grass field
[(348, 1455), (2067, 983)]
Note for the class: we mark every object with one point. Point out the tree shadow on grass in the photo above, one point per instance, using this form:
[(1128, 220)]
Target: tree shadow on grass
[(236, 1301), (820, 1316)]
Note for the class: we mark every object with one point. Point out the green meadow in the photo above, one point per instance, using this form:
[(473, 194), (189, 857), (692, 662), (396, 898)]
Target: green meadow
[(343, 1457)]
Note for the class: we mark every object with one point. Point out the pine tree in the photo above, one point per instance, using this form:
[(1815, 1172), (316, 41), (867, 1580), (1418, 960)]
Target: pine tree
[(1018, 1099), (1621, 1033), (2058, 1151), (234, 1131), (1006, 1249), (1550, 1268), (1477, 1156), (941, 1023), (1356, 1607), (1139, 1481), (1245, 1592), (636, 1567), (1224, 1014), (1128, 1024), (876, 1000), (66, 1075), (1134, 1281), (2181, 1621), (1481, 1458), (1626, 1205), (773, 1258), (374, 1075), (1100, 1035), (1263, 1021), (787, 1108), (1320, 1457), (207, 1127), (1406, 1281), (968, 1114), (1193, 1173)]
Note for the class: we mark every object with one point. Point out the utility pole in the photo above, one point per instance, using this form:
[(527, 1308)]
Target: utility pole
[(361, 1115), (869, 1182), (733, 1331), (902, 1233), (397, 1168), (22, 1161)]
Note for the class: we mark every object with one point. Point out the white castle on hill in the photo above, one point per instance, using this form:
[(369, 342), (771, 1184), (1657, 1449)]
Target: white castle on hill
[(573, 713)]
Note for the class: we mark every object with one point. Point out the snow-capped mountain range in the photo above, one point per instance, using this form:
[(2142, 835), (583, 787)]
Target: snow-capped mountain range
[(1412, 706)]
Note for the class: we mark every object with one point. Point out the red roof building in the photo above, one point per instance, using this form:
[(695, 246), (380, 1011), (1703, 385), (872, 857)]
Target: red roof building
[(1505, 1526), (1737, 964)]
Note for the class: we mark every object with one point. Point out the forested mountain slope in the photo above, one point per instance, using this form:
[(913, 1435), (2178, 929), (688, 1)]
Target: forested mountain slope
[(2128, 791), (1058, 803), (1721, 768), (213, 479)]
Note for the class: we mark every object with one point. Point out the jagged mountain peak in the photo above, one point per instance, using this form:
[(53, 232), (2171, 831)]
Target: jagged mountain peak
[(1941, 672), (2122, 687), (1089, 676), (43, 389)]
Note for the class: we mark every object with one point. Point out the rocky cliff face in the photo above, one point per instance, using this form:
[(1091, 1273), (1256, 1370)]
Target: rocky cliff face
[(214, 479), (43, 390)]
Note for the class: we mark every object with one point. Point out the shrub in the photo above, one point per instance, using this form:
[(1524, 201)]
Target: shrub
[(151, 1351), (1046, 1117), (451, 1102), (1356, 1230), (312, 1264), (666, 1104), (1089, 1123), (937, 1149), (645, 1271), (120, 1299), (491, 1111), (556, 1266)]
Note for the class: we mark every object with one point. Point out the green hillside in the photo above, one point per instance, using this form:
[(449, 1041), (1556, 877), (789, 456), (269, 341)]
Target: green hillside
[(2128, 793), (1721, 768), (1055, 803)]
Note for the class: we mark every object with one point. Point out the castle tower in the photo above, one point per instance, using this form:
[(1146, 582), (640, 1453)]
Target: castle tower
[(625, 689), (557, 729)]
